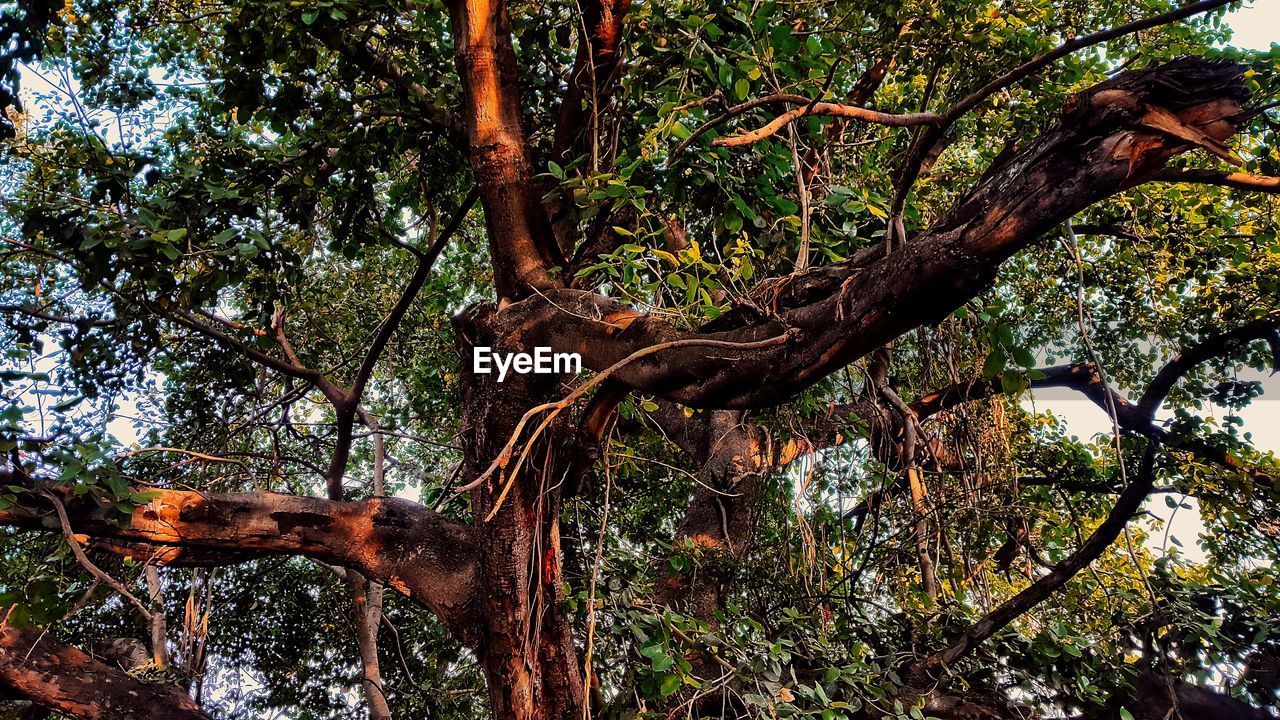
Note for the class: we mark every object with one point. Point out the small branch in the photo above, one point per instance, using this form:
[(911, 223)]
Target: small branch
[(806, 107), (181, 451), (379, 65), (1236, 180), (87, 564), (854, 112), (40, 315), (425, 262), (277, 323), (1033, 66), (1263, 328), (191, 322), (1129, 502)]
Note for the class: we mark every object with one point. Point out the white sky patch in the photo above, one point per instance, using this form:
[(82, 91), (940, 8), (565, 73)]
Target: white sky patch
[(1256, 25)]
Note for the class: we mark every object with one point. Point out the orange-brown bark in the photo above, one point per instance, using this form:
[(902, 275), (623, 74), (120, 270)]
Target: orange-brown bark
[(592, 79), (521, 241), (398, 542), (1105, 143), (71, 682)]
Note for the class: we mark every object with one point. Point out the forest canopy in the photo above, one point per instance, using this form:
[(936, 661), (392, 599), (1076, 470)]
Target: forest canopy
[(832, 270)]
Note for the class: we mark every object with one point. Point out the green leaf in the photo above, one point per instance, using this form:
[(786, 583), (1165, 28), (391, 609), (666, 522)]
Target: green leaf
[(1023, 357), (145, 496), (653, 651), (994, 364), (1012, 383)]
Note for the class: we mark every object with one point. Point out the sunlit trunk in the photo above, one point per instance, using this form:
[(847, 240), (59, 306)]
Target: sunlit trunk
[(526, 642)]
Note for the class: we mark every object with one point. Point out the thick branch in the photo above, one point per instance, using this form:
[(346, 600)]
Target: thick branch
[(405, 545), (71, 682), (593, 77), (923, 145), (521, 242), (834, 315)]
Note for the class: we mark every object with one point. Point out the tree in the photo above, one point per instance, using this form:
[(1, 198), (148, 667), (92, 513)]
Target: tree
[(813, 258)]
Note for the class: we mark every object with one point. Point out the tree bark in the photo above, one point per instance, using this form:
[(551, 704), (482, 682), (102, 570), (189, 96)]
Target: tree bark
[(1111, 137), (521, 240), (69, 681), (525, 641)]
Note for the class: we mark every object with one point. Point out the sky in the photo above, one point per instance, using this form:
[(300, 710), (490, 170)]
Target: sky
[(1257, 25)]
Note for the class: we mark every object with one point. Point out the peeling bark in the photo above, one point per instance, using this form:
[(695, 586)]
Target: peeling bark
[(69, 681), (1105, 142), (419, 553)]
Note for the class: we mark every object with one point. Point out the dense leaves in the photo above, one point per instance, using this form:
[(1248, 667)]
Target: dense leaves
[(189, 187)]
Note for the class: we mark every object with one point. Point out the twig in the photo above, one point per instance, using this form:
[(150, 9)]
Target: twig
[(181, 451), (86, 563)]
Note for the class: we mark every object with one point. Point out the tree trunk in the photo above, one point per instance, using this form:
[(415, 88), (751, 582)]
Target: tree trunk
[(526, 639)]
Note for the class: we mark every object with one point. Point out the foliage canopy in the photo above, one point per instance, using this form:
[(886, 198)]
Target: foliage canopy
[(219, 240)]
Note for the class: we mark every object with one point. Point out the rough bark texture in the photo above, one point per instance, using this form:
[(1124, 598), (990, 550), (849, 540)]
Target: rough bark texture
[(497, 583), (518, 228), (735, 458), (1105, 142), (526, 646), (407, 546), (70, 681)]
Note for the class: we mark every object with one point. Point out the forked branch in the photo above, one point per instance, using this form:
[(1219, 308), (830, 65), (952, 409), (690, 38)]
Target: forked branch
[(1128, 503)]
